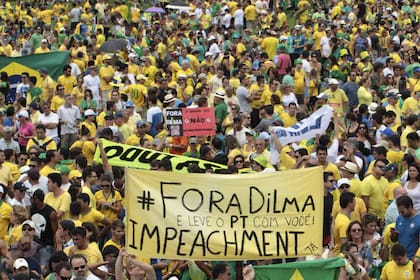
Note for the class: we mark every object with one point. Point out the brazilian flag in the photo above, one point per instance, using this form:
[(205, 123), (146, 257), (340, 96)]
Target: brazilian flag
[(14, 66), (301, 270)]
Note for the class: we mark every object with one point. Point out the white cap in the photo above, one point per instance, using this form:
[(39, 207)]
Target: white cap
[(343, 181), (211, 38), (333, 82), (89, 112), (24, 169), (132, 55), (44, 41), (20, 262), (24, 114), (282, 37), (62, 29), (208, 54), (387, 72), (322, 95)]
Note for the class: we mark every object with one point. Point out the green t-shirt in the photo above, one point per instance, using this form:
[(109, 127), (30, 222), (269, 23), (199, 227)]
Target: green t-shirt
[(35, 93)]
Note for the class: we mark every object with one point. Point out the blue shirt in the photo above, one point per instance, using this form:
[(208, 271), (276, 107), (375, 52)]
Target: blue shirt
[(409, 233)]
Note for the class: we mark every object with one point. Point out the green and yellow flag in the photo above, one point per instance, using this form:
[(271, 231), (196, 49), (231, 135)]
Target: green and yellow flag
[(14, 66), (313, 270)]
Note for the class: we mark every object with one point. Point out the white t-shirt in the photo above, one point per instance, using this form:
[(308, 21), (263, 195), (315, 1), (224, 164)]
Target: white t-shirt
[(93, 83), (51, 118), (238, 17)]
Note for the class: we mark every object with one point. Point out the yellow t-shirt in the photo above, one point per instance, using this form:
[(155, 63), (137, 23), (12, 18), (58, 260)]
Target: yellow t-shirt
[(356, 215), (56, 102), (336, 99), (5, 214), (288, 120), (91, 127), (88, 149), (374, 189), (299, 80), (100, 196), (68, 82), (393, 271), (46, 170), (341, 223), (92, 253), (61, 203), (410, 106), (137, 94), (93, 216)]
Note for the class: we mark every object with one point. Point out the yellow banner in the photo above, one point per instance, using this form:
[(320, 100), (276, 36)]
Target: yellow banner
[(137, 157), (225, 217)]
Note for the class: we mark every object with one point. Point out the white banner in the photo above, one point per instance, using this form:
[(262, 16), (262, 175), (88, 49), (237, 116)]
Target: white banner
[(307, 128)]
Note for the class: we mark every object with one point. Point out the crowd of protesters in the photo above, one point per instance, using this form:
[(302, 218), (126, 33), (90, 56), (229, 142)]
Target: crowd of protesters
[(259, 64)]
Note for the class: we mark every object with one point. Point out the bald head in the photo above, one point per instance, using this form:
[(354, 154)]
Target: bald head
[(399, 191)]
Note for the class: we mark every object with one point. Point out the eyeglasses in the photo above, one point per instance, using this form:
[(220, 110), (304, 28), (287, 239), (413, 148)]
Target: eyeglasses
[(239, 161), (64, 277), (105, 185), (344, 187), (27, 229), (362, 127), (79, 267), (331, 181), (356, 230), (32, 165)]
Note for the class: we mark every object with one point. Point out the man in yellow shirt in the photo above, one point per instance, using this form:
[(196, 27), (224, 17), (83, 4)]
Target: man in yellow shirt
[(359, 205), (337, 98), (342, 220), (67, 80), (269, 45), (43, 48), (400, 267), (52, 159), (89, 251), (41, 141), (373, 188), (47, 85), (139, 135), (57, 198), (89, 214), (289, 118)]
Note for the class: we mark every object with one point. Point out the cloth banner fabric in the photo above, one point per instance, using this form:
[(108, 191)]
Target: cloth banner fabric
[(224, 217), (307, 128), (313, 270), (14, 66), (137, 157)]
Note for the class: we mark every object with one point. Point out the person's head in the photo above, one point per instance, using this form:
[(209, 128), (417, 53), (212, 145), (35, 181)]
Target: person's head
[(106, 181), (117, 229), (399, 254), (370, 222), (19, 214), (63, 271), (37, 197), (347, 200), (413, 172), (405, 206), (84, 200), (259, 144), (56, 258), (91, 232), (355, 231), (65, 228), (379, 165), (221, 271), (413, 140), (51, 157), (40, 131), (89, 175), (328, 180), (321, 153), (79, 236), (54, 181), (21, 266), (79, 265)]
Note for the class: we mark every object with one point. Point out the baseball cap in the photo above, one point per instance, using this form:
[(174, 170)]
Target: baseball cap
[(89, 112), (19, 186), (20, 262), (129, 104), (390, 167), (322, 95), (343, 181), (24, 114), (140, 123), (382, 143), (387, 132), (193, 140), (333, 82)]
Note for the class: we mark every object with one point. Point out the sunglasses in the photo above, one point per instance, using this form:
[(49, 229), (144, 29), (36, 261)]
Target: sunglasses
[(106, 185), (344, 187), (239, 161), (27, 229), (356, 230), (64, 278), (79, 267)]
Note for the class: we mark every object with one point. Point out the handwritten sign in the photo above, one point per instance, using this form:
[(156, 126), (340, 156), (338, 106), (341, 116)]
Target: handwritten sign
[(190, 121), (225, 217)]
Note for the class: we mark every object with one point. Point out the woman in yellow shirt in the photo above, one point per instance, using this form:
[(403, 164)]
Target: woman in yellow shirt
[(108, 201), (363, 93), (19, 215)]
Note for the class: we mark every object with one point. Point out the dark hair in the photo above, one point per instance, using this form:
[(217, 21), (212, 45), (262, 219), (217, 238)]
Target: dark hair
[(219, 269), (62, 265), (81, 161), (84, 197), (79, 256), (75, 208), (87, 171), (55, 178), (405, 201), (57, 257), (418, 171), (79, 231), (350, 226), (49, 155), (346, 198), (398, 250), (321, 148), (92, 228), (369, 218), (326, 175)]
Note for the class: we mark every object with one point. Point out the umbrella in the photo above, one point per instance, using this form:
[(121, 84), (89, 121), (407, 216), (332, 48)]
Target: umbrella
[(155, 10), (178, 5), (114, 45)]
